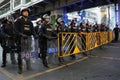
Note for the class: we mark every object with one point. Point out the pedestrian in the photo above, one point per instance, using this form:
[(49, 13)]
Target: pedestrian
[(37, 30), (116, 31)]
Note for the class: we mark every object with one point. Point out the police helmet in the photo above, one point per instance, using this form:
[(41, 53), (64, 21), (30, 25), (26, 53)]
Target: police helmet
[(24, 9), (9, 17), (39, 19), (46, 16), (60, 20)]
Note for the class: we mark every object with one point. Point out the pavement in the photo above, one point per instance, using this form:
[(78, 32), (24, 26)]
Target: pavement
[(101, 64)]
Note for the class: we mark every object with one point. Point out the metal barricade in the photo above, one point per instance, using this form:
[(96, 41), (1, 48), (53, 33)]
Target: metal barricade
[(74, 43)]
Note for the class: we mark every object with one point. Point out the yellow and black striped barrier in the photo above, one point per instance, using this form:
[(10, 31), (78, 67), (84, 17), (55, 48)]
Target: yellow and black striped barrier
[(70, 43)]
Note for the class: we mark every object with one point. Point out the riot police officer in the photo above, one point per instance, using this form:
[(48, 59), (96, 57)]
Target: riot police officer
[(24, 29), (82, 29), (88, 28), (95, 28), (38, 27), (72, 28), (43, 37), (8, 43), (60, 28)]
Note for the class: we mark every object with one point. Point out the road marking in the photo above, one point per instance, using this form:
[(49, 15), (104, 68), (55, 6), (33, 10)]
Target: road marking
[(10, 75), (54, 69), (106, 57), (21, 77), (111, 47)]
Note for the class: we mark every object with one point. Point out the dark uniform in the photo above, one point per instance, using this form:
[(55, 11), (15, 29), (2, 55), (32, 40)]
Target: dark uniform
[(8, 43), (73, 28), (60, 28), (96, 28), (44, 35), (37, 29), (82, 30), (0, 35), (102, 27), (116, 32), (24, 30), (88, 28), (37, 43)]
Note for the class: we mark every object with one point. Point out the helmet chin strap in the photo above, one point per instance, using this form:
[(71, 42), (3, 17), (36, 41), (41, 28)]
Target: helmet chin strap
[(25, 17)]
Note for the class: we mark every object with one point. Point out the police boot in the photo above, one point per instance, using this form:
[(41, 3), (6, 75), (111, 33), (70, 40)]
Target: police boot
[(39, 55), (61, 60), (84, 54), (20, 70), (45, 63), (72, 57), (19, 66), (3, 65), (12, 55), (4, 60), (28, 63)]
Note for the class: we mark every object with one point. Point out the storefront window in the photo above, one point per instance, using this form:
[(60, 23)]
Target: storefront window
[(102, 14)]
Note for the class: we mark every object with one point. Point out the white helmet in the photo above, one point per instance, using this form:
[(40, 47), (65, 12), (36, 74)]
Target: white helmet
[(60, 20), (24, 9), (39, 19), (46, 16)]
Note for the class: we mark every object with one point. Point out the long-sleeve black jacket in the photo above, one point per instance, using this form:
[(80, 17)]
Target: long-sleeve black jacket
[(23, 27)]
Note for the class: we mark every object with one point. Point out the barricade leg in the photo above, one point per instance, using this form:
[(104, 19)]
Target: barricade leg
[(60, 58)]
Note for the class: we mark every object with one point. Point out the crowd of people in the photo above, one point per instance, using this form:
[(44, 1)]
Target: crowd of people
[(16, 36)]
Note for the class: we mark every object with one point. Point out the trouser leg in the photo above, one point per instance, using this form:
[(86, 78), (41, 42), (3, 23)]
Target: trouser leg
[(44, 60), (12, 56), (43, 51), (28, 64), (4, 59), (19, 63)]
